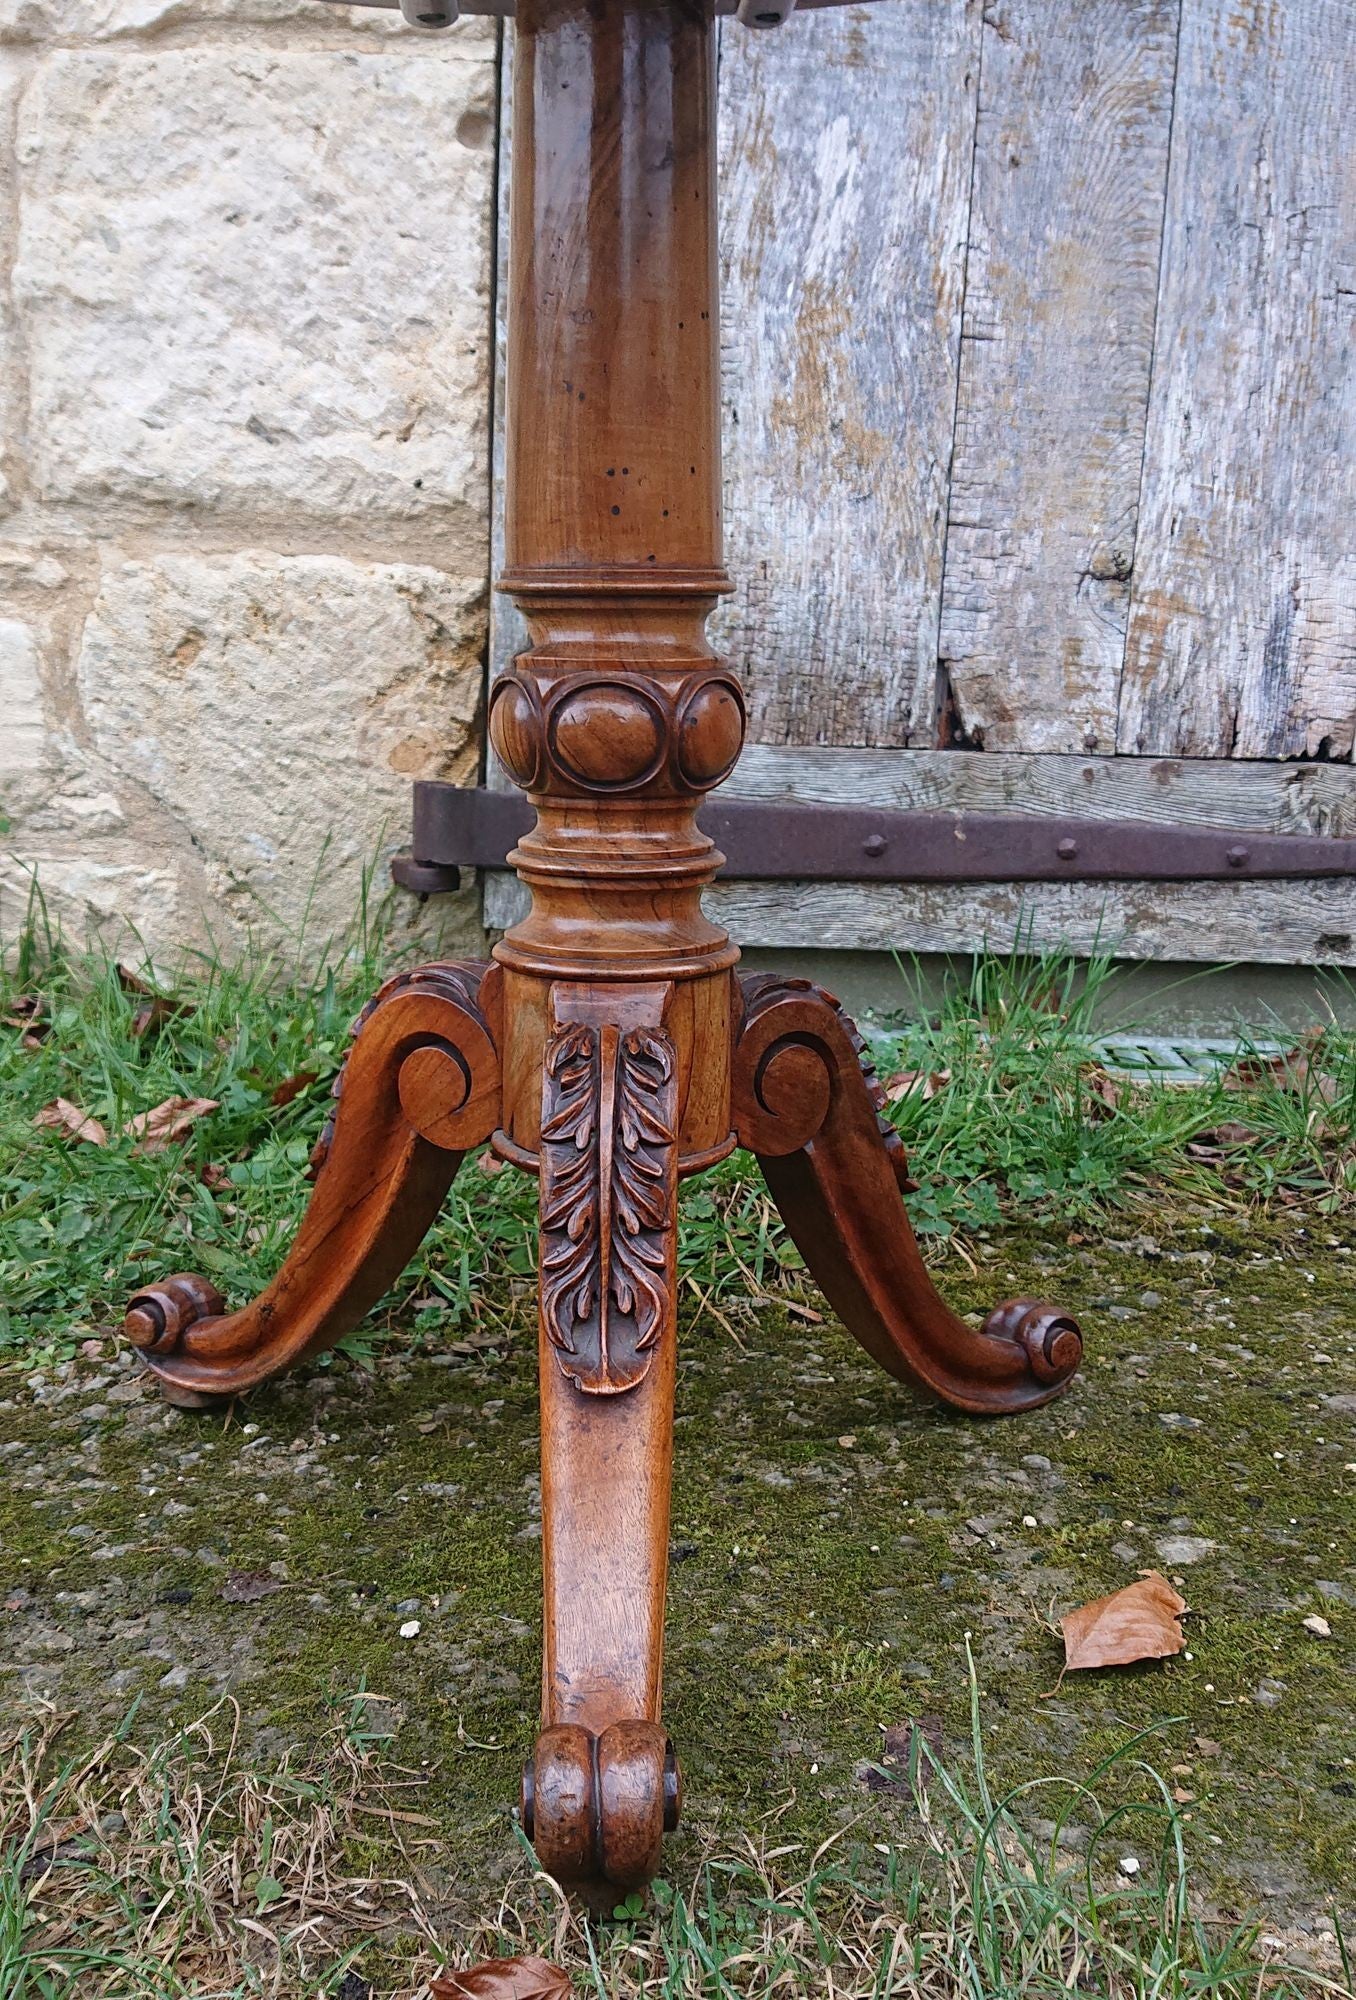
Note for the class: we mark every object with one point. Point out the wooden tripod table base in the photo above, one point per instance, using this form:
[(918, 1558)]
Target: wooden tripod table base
[(610, 1047), (424, 1083)]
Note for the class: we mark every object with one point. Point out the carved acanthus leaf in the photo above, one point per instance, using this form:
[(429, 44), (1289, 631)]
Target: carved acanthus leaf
[(608, 1159)]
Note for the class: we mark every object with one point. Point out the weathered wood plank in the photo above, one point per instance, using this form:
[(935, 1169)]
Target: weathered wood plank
[(1265, 923), (845, 163), (1075, 104), (1242, 638), (1262, 923), (1256, 797)]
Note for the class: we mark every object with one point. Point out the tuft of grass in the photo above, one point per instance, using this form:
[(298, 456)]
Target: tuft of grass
[(1024, 1125), (175, 1871), (1028, 1122)]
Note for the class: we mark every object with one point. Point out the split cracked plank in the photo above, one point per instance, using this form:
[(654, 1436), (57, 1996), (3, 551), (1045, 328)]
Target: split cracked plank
[(1173, 791), (845, 162), (1242, 638), (1262, 923), (1066, 222)]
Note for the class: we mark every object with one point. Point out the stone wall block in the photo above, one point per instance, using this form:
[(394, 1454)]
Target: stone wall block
[(275, 708), (103, 20), (9, 388), (256, 281)]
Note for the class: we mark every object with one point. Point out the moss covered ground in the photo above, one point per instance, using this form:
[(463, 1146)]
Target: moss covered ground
[(834, 1542), (838, 1549)]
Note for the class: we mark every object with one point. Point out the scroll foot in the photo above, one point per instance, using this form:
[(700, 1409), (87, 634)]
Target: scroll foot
[(808, 1104), (596, 1807), (419, 1088)]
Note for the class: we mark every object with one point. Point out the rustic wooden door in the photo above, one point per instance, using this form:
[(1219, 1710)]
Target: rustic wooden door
[(1040, 437)]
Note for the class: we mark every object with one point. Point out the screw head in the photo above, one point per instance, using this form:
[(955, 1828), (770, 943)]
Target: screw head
[(875, 845), (1067, 849), (1237, 857)]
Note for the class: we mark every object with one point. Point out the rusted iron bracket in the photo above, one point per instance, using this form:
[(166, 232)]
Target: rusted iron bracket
[(775, 840)]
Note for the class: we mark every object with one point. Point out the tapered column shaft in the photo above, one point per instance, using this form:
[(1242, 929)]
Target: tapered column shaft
[(619, 716), (613, 408)]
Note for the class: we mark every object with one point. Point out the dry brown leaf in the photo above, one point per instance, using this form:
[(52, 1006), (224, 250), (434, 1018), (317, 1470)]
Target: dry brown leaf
[(292, 1086), (1141, 1622), (168, 1121), (214, 1177), (159, 1007), (1295, 1069), (247, 1586), (151, 1018), (63, 1116), (1102, 1088), (904, 1081), (898, 1737), (28, 1013), (1212, 1144), (504, 1979)]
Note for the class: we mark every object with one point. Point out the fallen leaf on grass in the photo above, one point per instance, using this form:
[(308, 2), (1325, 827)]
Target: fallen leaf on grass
[(1102, 1088), (247, 1586), (168, 1121), (28, 1013), (905, 1081), (153, 1016), (214, 1177), (292, 1086), (63, 1116), (1295, 1069), (1141, 1622), (1213, 1144), (158, 1009), (504, 1979)]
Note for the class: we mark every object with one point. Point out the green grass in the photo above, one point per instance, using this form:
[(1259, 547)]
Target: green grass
[(1022, 1126), (184, 1871)]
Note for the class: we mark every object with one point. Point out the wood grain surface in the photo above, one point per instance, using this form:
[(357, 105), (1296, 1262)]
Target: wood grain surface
[(1242, 635), (1071, 152), (844, 181)]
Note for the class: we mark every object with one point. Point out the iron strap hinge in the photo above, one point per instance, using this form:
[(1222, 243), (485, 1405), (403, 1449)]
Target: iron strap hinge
[(777, 840)]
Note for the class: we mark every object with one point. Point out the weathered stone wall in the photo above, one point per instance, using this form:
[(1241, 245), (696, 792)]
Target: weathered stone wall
[(245, 347)]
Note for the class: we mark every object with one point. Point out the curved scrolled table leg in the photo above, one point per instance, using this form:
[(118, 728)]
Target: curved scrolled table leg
[(602, 1785), (807, 1102), (419, 1088)]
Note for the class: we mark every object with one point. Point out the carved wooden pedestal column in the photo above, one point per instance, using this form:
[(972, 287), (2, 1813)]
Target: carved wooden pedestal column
[(610, 1049), (617, 990)]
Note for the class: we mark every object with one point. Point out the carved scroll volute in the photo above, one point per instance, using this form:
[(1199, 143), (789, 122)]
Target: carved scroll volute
[(783, 1070), (608, 1197)]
